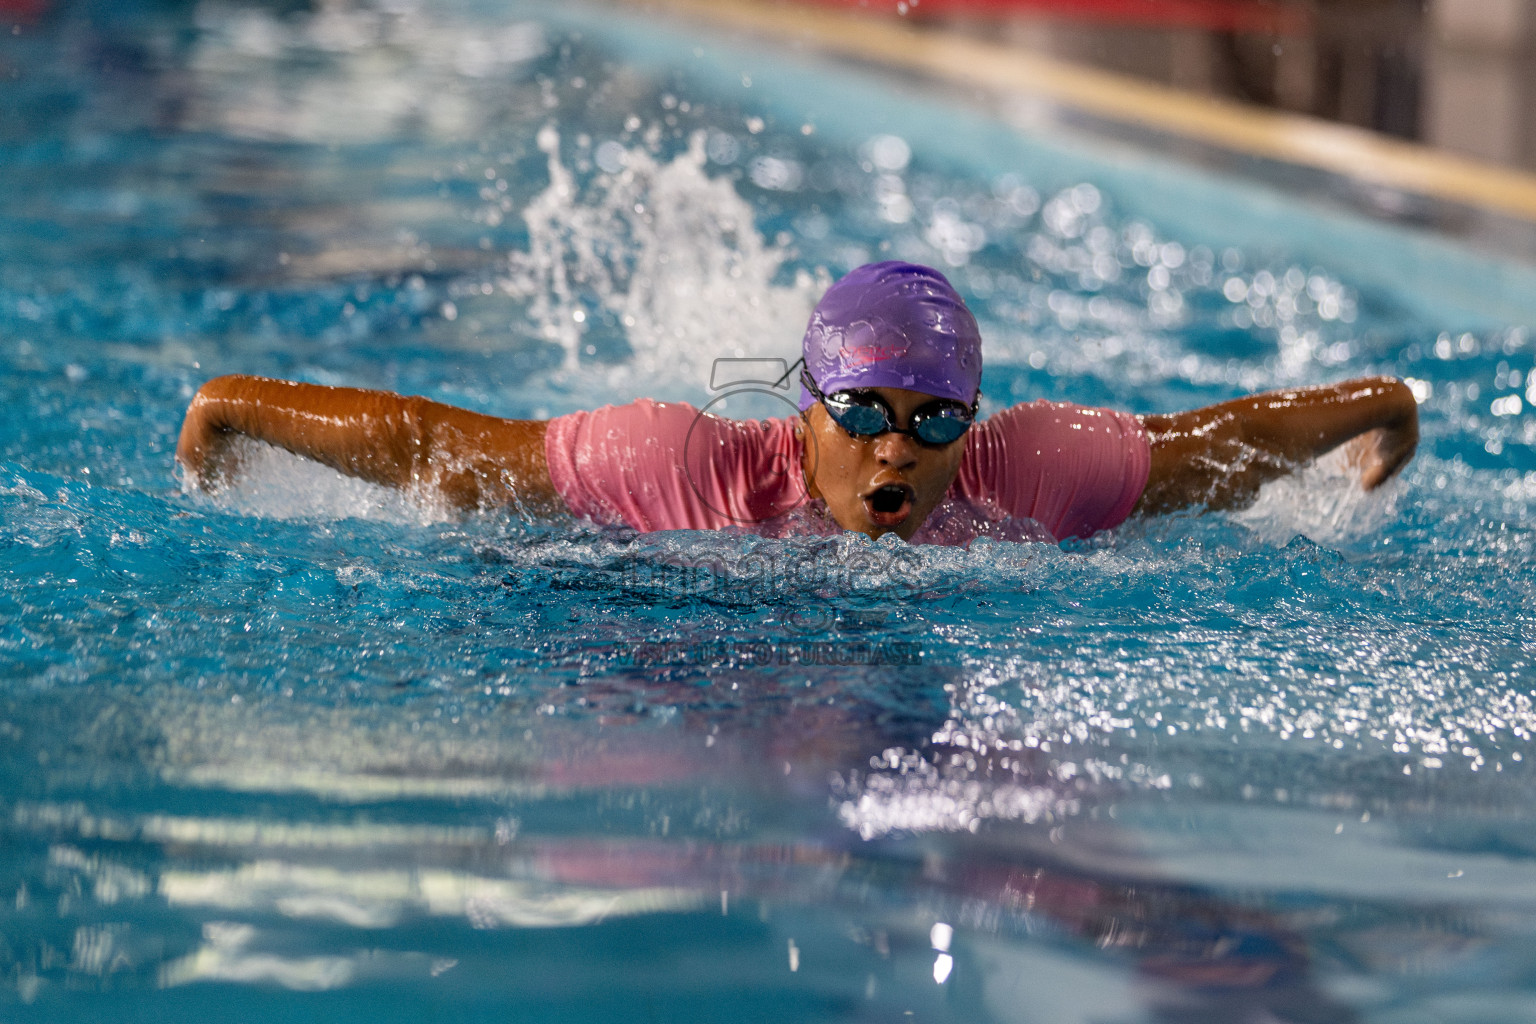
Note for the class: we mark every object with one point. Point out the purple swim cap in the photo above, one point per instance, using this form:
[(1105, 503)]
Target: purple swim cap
[(893, 325)]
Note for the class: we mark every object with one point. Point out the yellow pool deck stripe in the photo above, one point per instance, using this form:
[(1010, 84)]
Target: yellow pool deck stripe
[(1291, 138)]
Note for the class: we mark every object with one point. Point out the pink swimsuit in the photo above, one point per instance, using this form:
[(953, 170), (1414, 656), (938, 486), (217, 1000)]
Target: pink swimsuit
[(1037, 471)]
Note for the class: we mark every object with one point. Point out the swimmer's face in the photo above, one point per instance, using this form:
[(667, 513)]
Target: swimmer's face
[(878, 485)]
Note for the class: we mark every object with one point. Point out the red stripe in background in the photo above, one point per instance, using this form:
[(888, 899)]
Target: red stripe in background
[(1245, 16), (22, 12)]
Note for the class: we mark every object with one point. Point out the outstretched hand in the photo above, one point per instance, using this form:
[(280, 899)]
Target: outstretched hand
[(1379, 455)]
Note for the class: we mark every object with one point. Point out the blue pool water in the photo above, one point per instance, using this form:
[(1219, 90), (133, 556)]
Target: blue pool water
[(311, 751)]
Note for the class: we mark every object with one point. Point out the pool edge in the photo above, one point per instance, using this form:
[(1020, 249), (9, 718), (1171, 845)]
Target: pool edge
[(1350, 153)]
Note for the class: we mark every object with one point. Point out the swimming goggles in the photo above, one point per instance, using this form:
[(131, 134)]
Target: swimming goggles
[(865, 414)]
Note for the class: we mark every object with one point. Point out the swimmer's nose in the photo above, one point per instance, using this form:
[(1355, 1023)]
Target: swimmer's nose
[(896, 450)]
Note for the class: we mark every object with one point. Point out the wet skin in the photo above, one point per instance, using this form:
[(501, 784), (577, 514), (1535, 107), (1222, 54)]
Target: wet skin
[(1215, 457), (845, 471)]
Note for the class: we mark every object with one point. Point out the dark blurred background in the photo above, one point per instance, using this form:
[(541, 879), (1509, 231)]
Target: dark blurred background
[(1453, 74), (1457, 75)]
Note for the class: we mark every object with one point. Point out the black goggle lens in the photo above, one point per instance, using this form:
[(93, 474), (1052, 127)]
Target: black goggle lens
[(940, 427), (936, 423), (860, 420)]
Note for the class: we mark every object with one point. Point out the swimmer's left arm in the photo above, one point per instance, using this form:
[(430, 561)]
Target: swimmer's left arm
[(1218, 456)]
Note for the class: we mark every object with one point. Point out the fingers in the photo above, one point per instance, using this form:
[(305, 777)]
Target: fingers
[(1385, 455), (1386, 468)]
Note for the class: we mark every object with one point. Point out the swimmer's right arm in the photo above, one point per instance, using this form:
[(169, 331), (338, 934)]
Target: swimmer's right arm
[(470, 459)]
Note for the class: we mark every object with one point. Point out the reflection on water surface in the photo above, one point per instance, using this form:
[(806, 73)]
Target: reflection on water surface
[(318, 749)]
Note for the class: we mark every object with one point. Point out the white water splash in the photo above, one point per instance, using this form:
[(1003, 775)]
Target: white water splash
[(671, 254), (1324, 502), (276, 484)]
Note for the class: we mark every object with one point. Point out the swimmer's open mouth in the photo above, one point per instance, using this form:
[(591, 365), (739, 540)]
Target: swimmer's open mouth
[(889, 505)]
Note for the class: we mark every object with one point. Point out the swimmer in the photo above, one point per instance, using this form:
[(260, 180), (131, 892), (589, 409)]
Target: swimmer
[(887, 440)]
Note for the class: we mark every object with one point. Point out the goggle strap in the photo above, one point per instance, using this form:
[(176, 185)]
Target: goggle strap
[(796, 363)]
